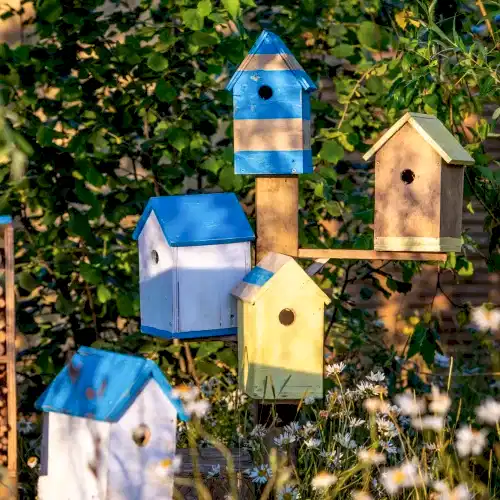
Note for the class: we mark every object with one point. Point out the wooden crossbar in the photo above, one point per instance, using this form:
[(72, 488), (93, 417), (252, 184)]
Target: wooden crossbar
[(346, 254)]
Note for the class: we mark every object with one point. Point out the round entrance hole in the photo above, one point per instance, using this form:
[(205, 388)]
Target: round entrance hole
[(154, 256), (141, 435), (407, 176), (265, 92), (286, 317)]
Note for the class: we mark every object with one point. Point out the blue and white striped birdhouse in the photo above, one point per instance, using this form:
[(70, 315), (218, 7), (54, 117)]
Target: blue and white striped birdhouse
[(272, 111)]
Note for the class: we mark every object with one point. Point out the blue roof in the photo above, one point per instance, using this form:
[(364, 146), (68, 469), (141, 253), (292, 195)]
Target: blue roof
[(102, 385), (5, 219), (199, 219), (270, 43)]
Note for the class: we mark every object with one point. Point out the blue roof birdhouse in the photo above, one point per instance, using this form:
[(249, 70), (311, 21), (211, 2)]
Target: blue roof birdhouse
[(272, 112), (193, 249)]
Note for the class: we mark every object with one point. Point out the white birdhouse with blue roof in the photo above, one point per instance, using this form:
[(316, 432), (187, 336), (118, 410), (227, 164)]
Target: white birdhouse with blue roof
[(272, 111), (193, 249), (109, 430)]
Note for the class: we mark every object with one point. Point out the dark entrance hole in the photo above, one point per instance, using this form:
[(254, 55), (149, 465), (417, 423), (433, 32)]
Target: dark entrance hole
[(407, 176), (265, 92)]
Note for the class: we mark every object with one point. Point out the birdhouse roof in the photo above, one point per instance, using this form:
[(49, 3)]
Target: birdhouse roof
[(434, 133), (5, 219), (269, 53), (198, 219), (102, 385), (260, 278)]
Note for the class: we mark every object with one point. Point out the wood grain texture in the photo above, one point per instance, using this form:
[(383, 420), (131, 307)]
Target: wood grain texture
[(452, 190), (407, 209), (277, 200), (11, 353), (208, 457), (418, 244), (270, 135), (318, 253)]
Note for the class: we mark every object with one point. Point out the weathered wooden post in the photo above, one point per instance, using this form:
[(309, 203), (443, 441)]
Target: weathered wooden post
[(8, 396)]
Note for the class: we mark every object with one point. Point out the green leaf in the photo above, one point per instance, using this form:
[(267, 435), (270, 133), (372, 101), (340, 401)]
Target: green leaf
[(207, 348), (486, 172), (228, 180), (103, 293), (319, 190), (178, 138), (49, 10), (372, 35), (27, 281), (192, 19), (228, 357), (233, 7), (90, 273), (201, 39), (204, 8), (44, 136), (212, 165), (157, 62), (165, 92), (79, 225), (125, 305), (208, 368), (343, 50), (331, 152), (496, 114), (467, 269)]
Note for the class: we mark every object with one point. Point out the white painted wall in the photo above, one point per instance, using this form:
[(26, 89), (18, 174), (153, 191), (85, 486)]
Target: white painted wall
[(206, 276), (132, 468), (74, 445), (157, 281)]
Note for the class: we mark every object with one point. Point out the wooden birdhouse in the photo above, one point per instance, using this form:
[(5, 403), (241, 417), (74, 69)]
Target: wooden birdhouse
[(419, 179), (193, 249), (272, 112), (280, 331), (102, 437)]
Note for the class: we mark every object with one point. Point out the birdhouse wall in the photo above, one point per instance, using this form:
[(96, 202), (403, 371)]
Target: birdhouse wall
[(279, 360), (205, 276), (186, 292), (407, 194), (452, 191), (271, 130), (75, 448), (135, 471), (157, 277)]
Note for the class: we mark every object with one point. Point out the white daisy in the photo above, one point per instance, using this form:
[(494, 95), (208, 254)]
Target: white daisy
[(489, 412), (288, 493), (259, 431), (375, 405), (309, 400), (308, 428), (366, 388), (335, 369), (389, 447), (361, 495), (428, 422), (284, 439), (345, 440), (292, 428), (260, 474), (404, 476), (371, 456), (159, 471), (185, 392), (356, 422), (440, 402), (376, 376), (312, 443), (214, 471), (197, 408), (332, 457), (486, 319), (470, 441), (410, 405), (460, 492), (323, 481), (386, 427)]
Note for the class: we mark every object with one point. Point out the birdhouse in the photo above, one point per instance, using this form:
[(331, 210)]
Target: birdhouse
[(193, 249), (419, 180), (280, 331), (102, 437), (272, 111)]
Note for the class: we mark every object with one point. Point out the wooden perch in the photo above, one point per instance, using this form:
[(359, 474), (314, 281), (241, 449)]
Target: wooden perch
[(342, 253)]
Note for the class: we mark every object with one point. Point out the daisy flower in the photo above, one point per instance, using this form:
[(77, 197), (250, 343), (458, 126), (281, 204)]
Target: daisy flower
[(409, 404), (440, 402), (260, 474), (312, 443), (197, 408), (323, 480), (259, 431), (309, 400), (371, 457), (376, 376), (292, 428), (488, 412), (470, 441), (185, 392), (345, 440), (356, 422), (428, 422), (366, 388), (308, 428), (361, 495), (405, 476), (32, 462), (284, 439), (335, 369), (486, 319), (165, 468), (460, 492), (288, 493)]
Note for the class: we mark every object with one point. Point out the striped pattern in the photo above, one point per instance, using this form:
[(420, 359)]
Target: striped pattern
[(273, 135)]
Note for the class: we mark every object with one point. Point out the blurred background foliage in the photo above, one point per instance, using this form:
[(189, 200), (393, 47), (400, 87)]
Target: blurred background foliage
[(104, 106)]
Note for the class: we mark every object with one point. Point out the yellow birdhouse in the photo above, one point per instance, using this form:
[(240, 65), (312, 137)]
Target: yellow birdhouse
[(419, 180), (280, 331)]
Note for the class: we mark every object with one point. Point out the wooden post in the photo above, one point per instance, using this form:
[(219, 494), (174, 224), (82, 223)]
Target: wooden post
[(8, 411), (277, 205)]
